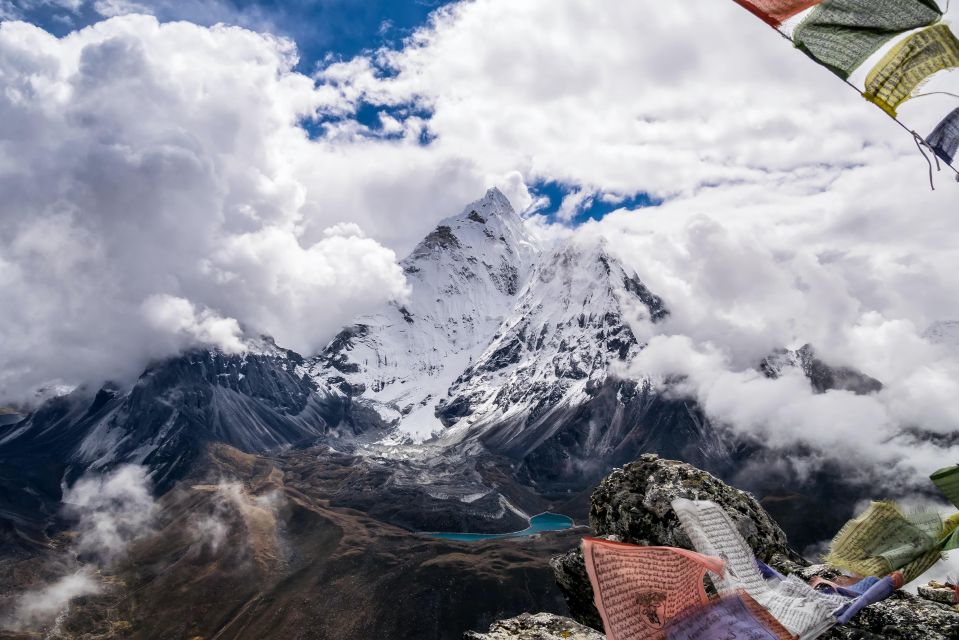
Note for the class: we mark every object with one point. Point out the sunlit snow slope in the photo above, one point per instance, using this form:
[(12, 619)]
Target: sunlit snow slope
[(465, 277)]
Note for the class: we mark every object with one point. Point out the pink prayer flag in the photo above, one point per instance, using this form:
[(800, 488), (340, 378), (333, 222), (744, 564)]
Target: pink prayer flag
[(639, 589)]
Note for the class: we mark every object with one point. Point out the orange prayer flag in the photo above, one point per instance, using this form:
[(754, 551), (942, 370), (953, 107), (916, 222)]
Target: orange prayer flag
[(775, 12)]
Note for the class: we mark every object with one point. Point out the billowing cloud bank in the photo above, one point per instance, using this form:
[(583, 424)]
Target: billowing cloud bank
[(152, 200)]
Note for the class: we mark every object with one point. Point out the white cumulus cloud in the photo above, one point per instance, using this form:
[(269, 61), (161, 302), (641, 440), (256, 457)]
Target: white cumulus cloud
[(155, 197)]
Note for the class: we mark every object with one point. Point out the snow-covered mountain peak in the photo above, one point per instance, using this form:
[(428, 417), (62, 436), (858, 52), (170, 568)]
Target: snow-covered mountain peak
[(496, 331), (495, 206), (585, 277), (465, 276), (487, 232)]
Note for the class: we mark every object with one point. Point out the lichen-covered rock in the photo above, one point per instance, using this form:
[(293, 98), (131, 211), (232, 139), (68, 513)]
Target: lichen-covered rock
[(539, 626), (633, 505), (904, 616)]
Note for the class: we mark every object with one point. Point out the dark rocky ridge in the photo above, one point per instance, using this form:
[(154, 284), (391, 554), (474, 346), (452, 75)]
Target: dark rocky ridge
[(253, 402), (822, 376)]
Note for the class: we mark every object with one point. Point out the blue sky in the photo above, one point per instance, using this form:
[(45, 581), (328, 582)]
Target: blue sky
[(550, 194), (321, 28)]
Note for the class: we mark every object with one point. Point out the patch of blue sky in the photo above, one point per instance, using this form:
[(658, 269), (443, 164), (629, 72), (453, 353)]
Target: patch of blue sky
[(323, 30), (573, 205), (368, 120)]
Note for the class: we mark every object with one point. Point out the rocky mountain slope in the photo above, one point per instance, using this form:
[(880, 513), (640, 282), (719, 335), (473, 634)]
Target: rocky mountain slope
[(255, 401), (248, 547)]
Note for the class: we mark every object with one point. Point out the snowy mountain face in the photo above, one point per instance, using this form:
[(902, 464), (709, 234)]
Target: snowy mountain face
[(564, 336), (545, 391), (510, 348), (504, 352), (465, 277)]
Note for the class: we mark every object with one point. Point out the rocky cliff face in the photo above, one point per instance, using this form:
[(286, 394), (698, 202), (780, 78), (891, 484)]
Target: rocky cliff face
[(822, 376), (255, 401), (633, 505)]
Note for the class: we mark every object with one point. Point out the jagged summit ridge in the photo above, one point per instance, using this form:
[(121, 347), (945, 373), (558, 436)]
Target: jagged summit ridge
[(569, 326), (464, 276), (497, 329)]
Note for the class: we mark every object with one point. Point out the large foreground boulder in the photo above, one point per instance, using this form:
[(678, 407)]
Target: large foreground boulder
[(632, 505)]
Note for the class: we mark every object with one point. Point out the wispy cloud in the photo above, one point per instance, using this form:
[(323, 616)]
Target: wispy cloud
[(109, 513)]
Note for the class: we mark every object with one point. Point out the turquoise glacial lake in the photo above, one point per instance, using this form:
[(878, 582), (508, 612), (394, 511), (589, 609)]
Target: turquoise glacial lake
[(537, 524)]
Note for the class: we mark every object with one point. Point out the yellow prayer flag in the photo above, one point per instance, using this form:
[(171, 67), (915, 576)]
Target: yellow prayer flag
[(906, 65), (880, 541)]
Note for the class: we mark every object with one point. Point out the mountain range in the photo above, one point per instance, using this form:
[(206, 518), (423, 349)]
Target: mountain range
[(504, 362)]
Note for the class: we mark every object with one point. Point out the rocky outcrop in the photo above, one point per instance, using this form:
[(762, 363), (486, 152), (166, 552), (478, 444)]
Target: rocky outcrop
[(633, 505), (540, 626), (938, 592)]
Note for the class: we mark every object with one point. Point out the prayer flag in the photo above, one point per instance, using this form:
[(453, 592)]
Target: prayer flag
[(850, 590), (774, 12), (882, 540), (947, 479), (638, 590), (944, 140), (768, 572), (797, 606), (906, 65), (950, 533), (879, 591), (841, 34), (732, 617)]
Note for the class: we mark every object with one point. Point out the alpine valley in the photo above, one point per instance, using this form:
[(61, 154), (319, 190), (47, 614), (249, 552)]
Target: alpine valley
[(495, 391)]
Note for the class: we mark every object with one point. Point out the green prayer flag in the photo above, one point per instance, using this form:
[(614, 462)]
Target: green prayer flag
[(900, 71), (947, 479), (841, 34)]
